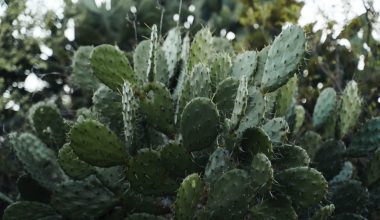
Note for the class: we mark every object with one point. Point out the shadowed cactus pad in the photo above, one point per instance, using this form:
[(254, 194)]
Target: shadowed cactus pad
[(306, 186), (275, 208), (158, 108), (205, 128), (72, 165), (87, 198)]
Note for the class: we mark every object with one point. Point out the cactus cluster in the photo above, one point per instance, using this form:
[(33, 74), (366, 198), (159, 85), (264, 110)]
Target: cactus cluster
[(353, 172), (189, 131)]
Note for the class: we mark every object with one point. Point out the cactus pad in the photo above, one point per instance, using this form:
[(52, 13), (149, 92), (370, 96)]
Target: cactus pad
[(72, 165), (38, 160), (188, 196), (229, 196), (83, 199), (219, 162), (48, 124), (306, 186), (324, 108), (283, 58), (261, 170), (350, 108), (367, 139), (172, 50), (111, 66), (158, 108), (277, 129), (199, 132), (225, 95), (254, 112), (253, 141), (220, 67), (244, 65), (147, 174), (95, 144), (288, 156)]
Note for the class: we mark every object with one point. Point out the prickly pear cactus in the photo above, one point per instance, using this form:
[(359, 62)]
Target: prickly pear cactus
[(187, 132)]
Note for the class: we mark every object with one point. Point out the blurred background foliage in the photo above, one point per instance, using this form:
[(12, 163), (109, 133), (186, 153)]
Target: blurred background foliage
[(36, 48)]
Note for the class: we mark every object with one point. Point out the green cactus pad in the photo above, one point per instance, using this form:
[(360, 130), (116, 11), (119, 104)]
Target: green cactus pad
[(350, 108), (141, 60), (373, 170), (200, 82), (172, 50), (285, 97), (244, 65), (283, 58), (219, 162), (161, 72), (72, 165), (366, 140), (329, 158), (199, 132), (253, 141), (274, 208), (107, 105), (31, 190), (38, 160), (324, 213), (229, 197), (288, 156), (240, 103), (201, 48), (261, 170), (111, 66), (311, 142), (144, 216), (188, 196), (177, 160), (261, 60), (48, 124), (147, 174), (25, 210), (254, 112), (277, 129), (85, 199), (343, 193), (220, 68), (158, 108), (225, 95), (324, 108), (82, 76), (95, 144), (306, 186)]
